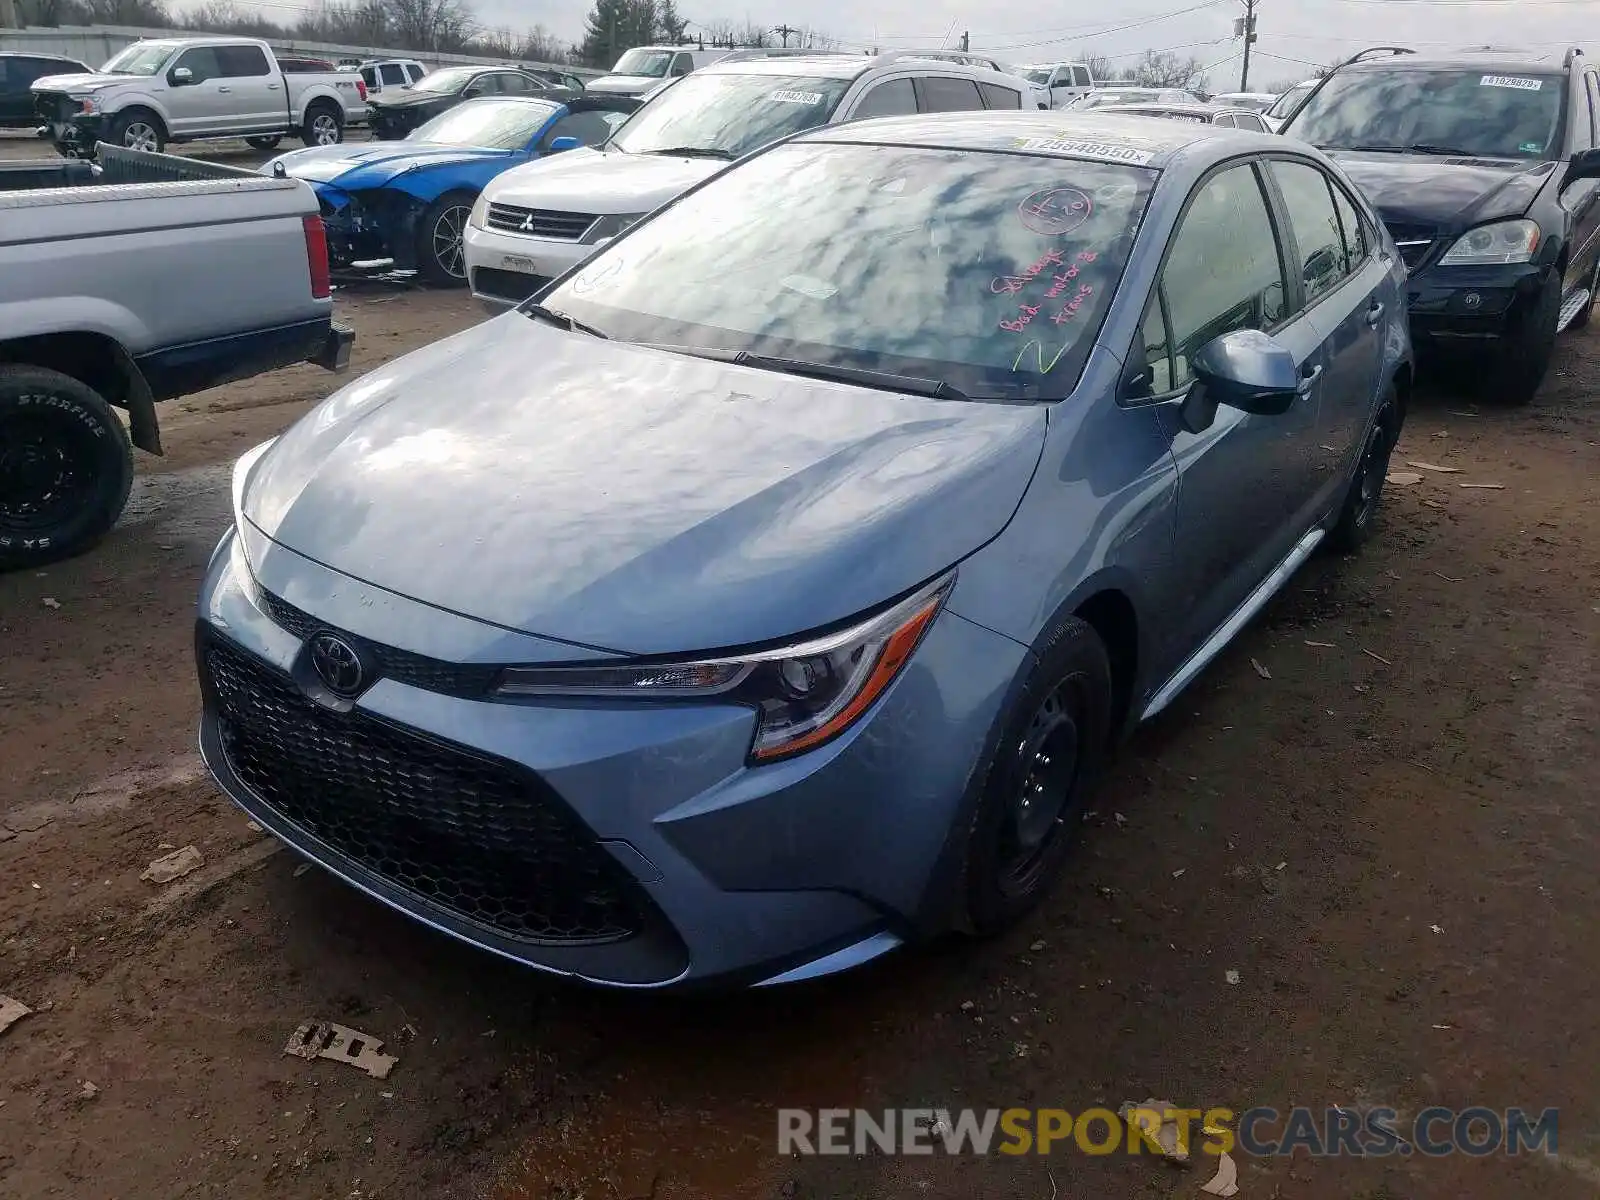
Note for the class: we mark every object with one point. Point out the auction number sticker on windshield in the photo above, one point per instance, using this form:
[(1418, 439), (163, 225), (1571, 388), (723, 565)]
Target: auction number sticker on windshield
[(1104, 151), (797, 97), (1511, 81)]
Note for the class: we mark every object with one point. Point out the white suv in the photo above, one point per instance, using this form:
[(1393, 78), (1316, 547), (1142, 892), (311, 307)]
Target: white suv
[(537, 221)]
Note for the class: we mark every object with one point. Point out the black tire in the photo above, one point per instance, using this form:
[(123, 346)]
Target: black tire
[(66, 466), (324, 125), (137, 129), (441, 247), (1586, 313), (1523, 357), (265, 143), (1037, 784), (1360, 509)]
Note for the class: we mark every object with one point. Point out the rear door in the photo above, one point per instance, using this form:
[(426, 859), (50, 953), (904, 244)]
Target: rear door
[(257, 97), (1340, 284), (1242, 479), (1582, 199), (947, 93)]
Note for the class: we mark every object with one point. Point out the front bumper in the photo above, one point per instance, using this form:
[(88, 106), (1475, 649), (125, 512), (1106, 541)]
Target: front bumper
[(76, 135), (726, 874), (1483, 304), (507, 268)]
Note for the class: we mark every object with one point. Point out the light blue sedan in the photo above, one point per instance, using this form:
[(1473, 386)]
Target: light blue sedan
[(767, 592)]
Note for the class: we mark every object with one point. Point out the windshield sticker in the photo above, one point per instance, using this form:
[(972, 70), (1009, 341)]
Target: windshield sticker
[(797, 97), (1052, 212), (1511, 81), (1104, 151), (1532, 147)]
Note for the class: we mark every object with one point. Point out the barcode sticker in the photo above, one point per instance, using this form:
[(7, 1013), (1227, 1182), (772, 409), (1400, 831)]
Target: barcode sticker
[(1512, 81), (797, 97)]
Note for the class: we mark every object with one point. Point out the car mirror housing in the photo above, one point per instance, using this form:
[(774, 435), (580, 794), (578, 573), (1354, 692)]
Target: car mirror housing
[(180, 77), (564, 143), (1244, 369), (1585, 165)]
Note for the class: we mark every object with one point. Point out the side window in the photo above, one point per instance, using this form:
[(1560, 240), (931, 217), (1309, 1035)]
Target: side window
[(1080, 77), (517, 85), (940, 93), (414, 71), (483, 85), (391, 73), (1250, 121), (682, 65), (1357, 245), (1223, 270), (1309, 202), (1225, 120), (995, 96), (370, 76), (201, 61), (894, 98), (239, 62), (1592, 87), (591, 128)]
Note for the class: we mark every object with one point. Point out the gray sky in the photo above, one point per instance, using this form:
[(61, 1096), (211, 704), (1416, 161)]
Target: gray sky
[(1311, 30)]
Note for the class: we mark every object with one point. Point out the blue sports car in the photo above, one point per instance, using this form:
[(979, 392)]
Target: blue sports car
[(405, 204)]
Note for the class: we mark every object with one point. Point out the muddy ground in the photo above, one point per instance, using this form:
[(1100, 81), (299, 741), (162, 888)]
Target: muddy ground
[(1389, 831)]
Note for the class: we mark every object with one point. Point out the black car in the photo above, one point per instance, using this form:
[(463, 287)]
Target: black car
[(1484, 169), (397, 111), (17, 73)]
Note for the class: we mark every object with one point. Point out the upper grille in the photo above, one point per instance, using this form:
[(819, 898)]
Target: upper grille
[(539, 222), (1415, 243), (479, 838), (430, 674)]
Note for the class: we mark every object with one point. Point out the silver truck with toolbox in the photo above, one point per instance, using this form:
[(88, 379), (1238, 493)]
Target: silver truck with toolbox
[(125, 282), (190, 89)]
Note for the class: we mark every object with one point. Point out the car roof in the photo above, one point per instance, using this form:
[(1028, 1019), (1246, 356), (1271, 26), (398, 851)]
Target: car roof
[(1198, 110), (1148, 142), (39, 54), (1485, 60), (822, 66)]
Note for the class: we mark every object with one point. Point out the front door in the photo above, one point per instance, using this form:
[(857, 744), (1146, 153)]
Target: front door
[(200, 105), (1242, 480)]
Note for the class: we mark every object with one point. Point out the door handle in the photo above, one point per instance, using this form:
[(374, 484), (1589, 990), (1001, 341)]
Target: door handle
[(272, 87), (1308, 380), (224, 89), (1374, 314)]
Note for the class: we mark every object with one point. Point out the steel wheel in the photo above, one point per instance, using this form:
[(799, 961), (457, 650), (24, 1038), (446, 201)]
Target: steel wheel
[(141, 135), (47, 469), (325, 129), (449, 241), (1045, 783)]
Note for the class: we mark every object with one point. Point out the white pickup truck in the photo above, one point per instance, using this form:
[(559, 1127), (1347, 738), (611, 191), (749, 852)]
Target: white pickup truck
[(190, 89)]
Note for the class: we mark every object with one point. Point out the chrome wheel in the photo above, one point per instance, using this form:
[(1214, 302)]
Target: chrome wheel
[(325, 130), (449, 241), (140, 135)]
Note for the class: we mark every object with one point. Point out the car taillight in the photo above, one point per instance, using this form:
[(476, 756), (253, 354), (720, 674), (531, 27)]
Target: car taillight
[(317, 257), (361, 89)]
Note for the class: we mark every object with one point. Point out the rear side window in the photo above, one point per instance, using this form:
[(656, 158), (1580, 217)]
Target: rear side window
[(1080, 77), (1225, 120), (1250, 121), (995, 96), (371, 76), (414, 70), (894, 98), (518, 85), (240, 62), (1357, 242), (1309, 200), (391, 73), (943, 94)]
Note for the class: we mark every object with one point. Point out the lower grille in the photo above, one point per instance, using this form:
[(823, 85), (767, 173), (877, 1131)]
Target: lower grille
[(539, 222), (478, 838), (507, 285)]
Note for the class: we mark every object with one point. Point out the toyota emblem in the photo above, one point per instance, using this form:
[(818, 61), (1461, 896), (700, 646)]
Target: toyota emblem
[(337, 664)]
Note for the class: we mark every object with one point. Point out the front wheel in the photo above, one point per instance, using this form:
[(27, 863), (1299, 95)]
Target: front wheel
[(264, 143), (138, 130), (1036, 786), (441, 240), (1524, 356), (322, 127), (66, 466)]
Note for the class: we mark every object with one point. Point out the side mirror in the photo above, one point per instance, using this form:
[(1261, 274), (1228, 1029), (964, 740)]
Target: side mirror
[(180, 77), (1585, 165), (1244, 369), (564, 143)]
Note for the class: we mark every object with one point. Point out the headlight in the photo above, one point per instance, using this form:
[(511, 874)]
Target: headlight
[(241, 481), (806, 693), (1501, 242), (86, 104), (610, 227), (480, 208)]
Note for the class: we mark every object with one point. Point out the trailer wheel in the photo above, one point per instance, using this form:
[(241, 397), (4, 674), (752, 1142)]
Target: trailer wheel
[(66, 466)]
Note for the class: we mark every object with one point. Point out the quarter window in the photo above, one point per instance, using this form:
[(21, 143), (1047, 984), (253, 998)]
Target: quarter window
[(1356, 242), (1223, 271), (894, 98), (1225, 120), (414, 70), (1080, 77), (1309, 201), (940, 93)]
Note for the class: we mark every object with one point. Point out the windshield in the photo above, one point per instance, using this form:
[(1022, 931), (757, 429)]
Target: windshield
[(141, 58), (1290, 100), (490, 124), (1446, 111), (729, 115), (990, 272), (445, 81), (1120, 96), (653, 63)]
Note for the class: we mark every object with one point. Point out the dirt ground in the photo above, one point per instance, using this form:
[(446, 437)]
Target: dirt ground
[(1389, 831)]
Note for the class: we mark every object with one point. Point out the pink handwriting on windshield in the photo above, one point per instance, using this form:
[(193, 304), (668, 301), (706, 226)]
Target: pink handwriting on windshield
[(1004, 285), (1073, 305), (1025, 313), (1059, 283), (1051, 212)]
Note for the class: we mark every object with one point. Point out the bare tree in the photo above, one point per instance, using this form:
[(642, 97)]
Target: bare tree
[(1158, 69), (432, 24), (1100, 67)]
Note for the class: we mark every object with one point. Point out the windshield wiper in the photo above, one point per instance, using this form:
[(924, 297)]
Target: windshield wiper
[(1431, 148), (696, 152), (886, 381), (1373, 149), (569, 323)]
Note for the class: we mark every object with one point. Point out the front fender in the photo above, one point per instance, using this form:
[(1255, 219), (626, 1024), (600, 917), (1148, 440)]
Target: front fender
[(123, 101)]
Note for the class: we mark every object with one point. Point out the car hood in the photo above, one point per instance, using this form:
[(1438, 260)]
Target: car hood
[(624, 85), (601, 182), (633, 500), (93, 81), (373, 164), (1447, 194), (400, 98)]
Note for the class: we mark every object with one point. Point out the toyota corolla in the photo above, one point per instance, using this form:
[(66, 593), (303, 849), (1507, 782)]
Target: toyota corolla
[(766, 592)]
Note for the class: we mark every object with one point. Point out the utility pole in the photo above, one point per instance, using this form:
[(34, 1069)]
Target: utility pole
[(1245, 27), (784, 31), (966, 41)]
